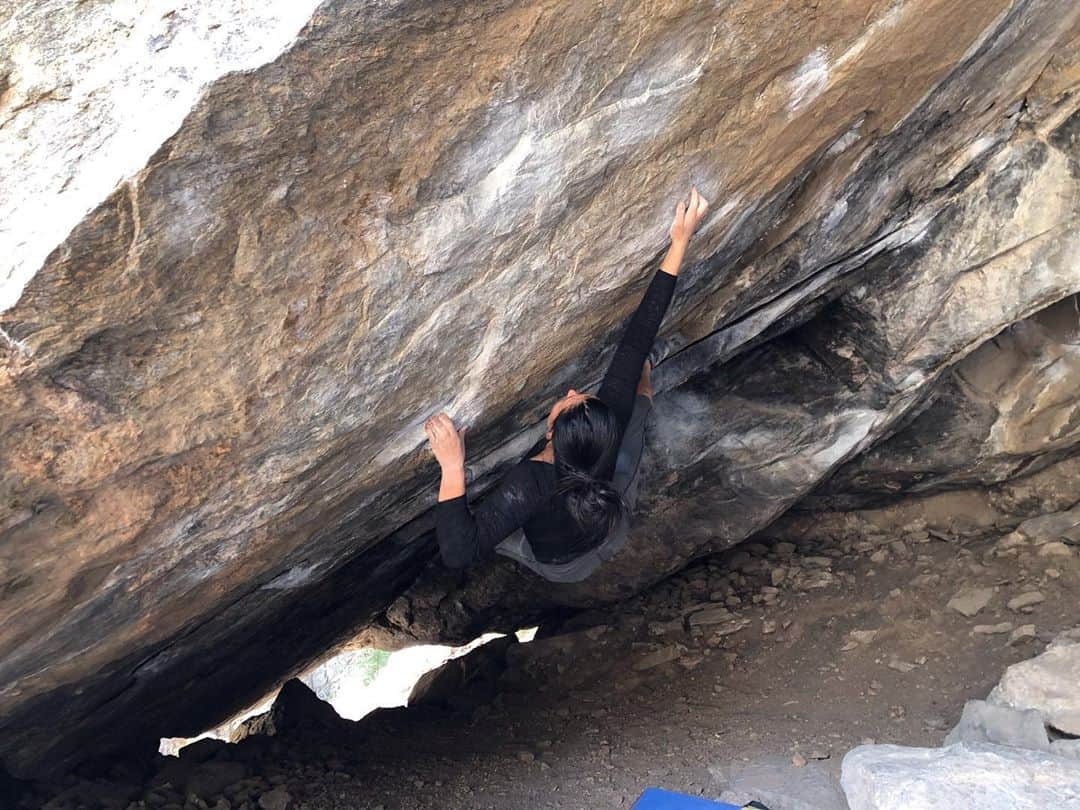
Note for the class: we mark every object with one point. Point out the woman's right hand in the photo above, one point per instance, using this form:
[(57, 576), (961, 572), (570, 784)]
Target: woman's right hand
[(687, 217)]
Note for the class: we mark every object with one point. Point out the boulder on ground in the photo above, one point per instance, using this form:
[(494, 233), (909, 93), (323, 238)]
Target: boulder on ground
[(964, 775), (1004, 725), (295, 709), (1048, 683)]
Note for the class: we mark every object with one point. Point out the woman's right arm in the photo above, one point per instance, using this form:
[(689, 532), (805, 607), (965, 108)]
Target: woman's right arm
[(466, 535)]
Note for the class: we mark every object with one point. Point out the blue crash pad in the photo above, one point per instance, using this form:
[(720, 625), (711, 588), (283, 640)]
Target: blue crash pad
[(658, 799)]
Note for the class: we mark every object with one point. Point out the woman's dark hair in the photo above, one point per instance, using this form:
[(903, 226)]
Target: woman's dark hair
[(585, 440)]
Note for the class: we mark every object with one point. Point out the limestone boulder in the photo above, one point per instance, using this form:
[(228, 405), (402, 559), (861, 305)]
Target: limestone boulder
[(994, 777), (248, 251), (1048, 683)]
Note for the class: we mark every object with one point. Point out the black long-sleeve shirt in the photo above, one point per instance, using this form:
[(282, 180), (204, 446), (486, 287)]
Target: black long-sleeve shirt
[(526, 497)]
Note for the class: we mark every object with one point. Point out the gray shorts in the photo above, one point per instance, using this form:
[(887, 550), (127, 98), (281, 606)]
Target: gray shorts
[(625, 480)]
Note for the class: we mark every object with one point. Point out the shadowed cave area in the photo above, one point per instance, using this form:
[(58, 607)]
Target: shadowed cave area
[(229, 308)]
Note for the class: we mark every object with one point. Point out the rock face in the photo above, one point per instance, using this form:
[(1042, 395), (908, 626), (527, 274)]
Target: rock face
[(212, 388)]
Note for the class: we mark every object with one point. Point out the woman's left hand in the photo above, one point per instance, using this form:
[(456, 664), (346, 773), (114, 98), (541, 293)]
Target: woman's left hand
[(447, 442)]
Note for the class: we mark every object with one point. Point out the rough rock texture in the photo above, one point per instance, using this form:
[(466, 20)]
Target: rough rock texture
[(732, 448), (987, 722), (1008, 409), (892, 777), (89, 91), (1048, 683), (212, 389)]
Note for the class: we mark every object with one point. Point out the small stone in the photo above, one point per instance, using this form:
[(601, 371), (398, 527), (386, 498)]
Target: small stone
[(818, 579), (900, 666), (818, 754), (969, 601), (1055, 549), (1053, 573), (690, 661), (768, 627), (1009, 544), (936, 722), (879, 556), (778, 575), (1021, 634), (1026, 600), (799, 761), (276, 799), (863, 636), (992, 629), (727, 629), (659, 657), (663, 628), (708, 616), (526, 756)]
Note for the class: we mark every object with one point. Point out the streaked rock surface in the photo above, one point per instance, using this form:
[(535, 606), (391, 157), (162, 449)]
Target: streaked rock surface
[(212, 389), (89, 91)]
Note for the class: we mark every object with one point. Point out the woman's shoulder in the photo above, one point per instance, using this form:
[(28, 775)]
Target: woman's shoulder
[(531, 477), (535, 469)]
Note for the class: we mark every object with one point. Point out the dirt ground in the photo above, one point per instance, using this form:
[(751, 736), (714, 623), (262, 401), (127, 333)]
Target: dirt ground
[(753, 713), (739, 678)]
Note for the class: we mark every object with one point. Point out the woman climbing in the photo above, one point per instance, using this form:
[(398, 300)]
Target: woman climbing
[(565, 510)]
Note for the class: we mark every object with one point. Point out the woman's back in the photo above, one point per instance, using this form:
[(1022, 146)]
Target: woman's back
[(552, 532)]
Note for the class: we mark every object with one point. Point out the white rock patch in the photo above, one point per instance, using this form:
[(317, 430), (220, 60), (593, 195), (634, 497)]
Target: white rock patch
[(93, 89)]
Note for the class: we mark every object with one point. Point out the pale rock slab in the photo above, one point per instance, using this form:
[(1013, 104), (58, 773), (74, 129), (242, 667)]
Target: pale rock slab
[(1048, 683), (969, 601), (969, 775)]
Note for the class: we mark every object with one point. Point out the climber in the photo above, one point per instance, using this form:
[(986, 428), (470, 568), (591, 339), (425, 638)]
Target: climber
[(564, 510)]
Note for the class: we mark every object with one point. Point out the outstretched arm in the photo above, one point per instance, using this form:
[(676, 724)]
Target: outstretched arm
[(620, 382)]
